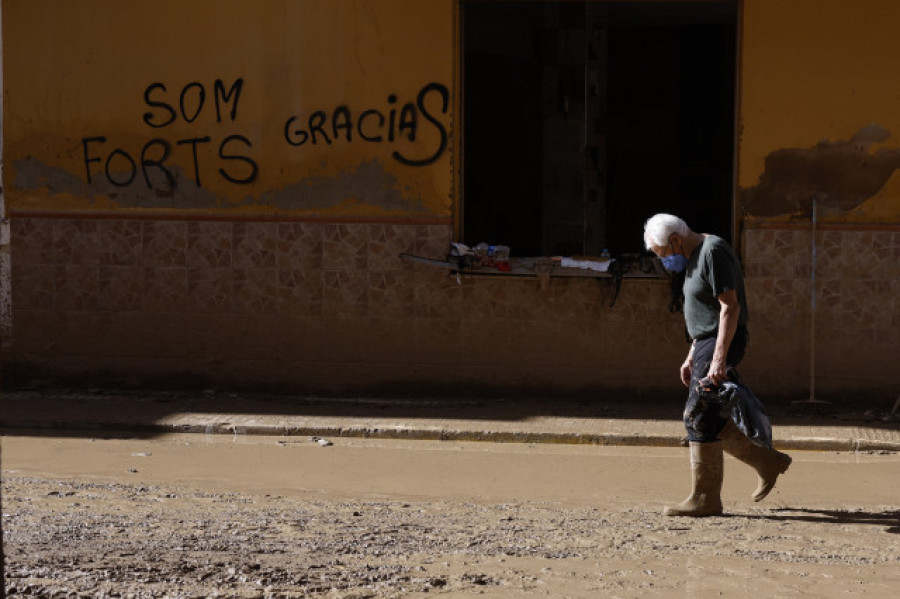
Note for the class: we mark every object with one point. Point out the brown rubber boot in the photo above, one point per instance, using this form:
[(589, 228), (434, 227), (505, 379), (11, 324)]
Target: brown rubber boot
[(707, 470), (768, 463)]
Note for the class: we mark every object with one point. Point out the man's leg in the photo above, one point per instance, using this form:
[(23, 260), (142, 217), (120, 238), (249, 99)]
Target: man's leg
[(702, 423), (702, 414)]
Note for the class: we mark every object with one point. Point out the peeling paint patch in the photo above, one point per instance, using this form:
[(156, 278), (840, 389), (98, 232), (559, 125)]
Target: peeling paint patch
[(368, 184), (31, 175), (842, 175)]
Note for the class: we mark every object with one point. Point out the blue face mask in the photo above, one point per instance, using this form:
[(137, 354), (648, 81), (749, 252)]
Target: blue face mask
[(674, 263)]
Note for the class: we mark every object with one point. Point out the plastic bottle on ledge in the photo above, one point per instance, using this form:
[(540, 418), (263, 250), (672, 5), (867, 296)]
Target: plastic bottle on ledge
[(605, 255), (500, 253)]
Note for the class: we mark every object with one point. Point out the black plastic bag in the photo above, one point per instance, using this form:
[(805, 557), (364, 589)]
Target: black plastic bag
[(747, 412)]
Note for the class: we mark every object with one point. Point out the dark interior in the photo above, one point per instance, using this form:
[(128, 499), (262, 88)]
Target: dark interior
[(582, 119)]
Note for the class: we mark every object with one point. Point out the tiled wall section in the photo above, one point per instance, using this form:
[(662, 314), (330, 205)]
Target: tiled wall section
[(856, 339), (306, 306)]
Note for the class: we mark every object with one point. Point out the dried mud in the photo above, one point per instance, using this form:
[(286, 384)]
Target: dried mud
[(71, 534)]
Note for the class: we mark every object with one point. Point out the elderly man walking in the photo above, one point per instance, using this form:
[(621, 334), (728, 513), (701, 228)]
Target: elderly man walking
[(716, 316)]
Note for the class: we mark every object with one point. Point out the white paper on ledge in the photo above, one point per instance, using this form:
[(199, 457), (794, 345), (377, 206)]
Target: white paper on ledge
[(599, 266)]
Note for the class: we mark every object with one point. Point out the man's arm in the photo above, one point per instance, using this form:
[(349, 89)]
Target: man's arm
[(730, 310)]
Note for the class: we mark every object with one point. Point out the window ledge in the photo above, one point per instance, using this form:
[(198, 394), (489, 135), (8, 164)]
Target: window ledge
[(544, 267)]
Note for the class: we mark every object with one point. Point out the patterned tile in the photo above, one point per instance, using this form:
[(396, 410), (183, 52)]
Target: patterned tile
[(764, 308), (433, 241), (76, 242), (858, 260), (121, 288), (438, 296), (510, 299), (120, 242), (882, 256), (209, 244), (165, 289), (300, 246), (829, 299), (255, 245), (803, 253), (759, 243), (162, 292), (868, 299), (476, 292), (802, 298), (782, 260), (33, 287), (829, 252), (210, 289), (390, 294), (344, 293), (582, 300), (255, 290), (765, 254), (344, 246), (895, 306), (299, 293), (387, 242), (77, 287), (31, 241), (164, 243)]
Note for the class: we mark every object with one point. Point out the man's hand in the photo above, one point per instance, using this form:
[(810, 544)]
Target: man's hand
[(717, 372), (686, 369)]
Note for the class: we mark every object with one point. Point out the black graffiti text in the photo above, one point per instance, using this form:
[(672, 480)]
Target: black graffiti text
[(121, 167), (394, 125), (151, 162), (191, 102)]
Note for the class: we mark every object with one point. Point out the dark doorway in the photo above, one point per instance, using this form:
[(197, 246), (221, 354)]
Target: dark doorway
[(582, 119)]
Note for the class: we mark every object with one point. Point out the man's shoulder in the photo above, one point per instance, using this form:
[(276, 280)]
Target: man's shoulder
[(716, 241), (715, 244)]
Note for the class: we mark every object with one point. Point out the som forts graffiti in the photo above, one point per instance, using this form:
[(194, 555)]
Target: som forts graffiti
[(120, 168), (237, 164)]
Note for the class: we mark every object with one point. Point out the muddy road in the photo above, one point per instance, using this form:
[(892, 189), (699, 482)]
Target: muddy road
[(214, 515)]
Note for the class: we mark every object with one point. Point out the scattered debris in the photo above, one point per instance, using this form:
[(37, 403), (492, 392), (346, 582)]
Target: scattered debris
[(894, 413)]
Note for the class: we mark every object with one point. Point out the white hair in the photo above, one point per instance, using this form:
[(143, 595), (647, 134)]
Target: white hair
[(660, 227)]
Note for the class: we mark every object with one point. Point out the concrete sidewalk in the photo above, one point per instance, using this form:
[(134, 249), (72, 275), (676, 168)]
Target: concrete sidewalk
[(497, 420)]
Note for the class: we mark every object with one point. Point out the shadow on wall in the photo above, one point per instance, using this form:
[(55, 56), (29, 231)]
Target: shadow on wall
[(841, 175)]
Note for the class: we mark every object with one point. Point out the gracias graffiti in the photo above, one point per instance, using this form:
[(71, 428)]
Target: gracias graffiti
[(120, 166), (391, 125)]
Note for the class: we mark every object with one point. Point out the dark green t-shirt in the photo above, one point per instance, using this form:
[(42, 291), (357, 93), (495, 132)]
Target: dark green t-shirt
[(712, 270)]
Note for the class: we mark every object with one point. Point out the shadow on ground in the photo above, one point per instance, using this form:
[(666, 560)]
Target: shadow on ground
[(37, 411), (888, 518)]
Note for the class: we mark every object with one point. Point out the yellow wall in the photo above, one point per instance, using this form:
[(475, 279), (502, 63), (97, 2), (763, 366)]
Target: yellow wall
[(820, 99), (80, 70)]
